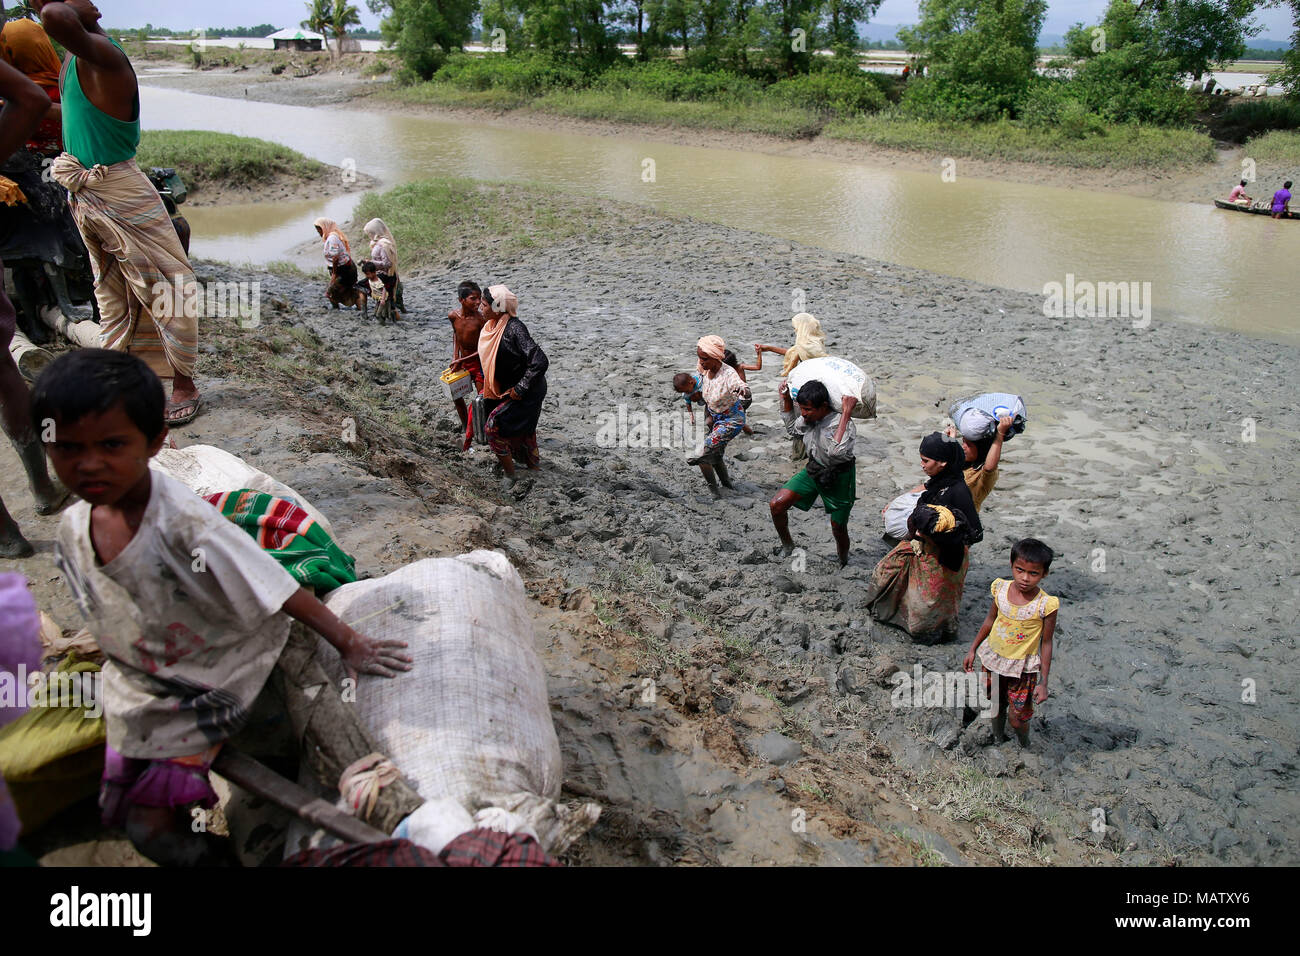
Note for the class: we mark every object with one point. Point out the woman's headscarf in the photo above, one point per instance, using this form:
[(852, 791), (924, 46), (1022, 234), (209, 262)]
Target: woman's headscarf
[(327, 226), (489, 337), (379, 234), (809, 342), (947, 490), (713, 346), (25, 46)]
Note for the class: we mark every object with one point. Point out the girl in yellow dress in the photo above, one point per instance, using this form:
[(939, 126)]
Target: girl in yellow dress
[(1015, 641)]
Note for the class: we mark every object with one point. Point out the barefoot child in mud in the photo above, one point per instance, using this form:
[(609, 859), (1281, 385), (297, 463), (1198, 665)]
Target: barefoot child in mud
[(466, 324), (831, 473), (378, 294), (196, 620), (1014, 645)]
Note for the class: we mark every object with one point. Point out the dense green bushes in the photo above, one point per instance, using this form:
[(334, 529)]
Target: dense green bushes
[(1253, 117), (834, 93), (530, 75)]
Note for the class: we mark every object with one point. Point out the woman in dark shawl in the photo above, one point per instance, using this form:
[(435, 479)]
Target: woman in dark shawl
[(514, 382), (918, 585)]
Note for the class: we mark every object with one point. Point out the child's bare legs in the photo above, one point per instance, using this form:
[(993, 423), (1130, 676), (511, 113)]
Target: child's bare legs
[(711, 478), (165, 835), (463, 412)]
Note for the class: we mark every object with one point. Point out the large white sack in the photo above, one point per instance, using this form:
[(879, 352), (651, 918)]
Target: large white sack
[(471, 720), (841, 377), (207, 470), (977, 417), (899, 510)]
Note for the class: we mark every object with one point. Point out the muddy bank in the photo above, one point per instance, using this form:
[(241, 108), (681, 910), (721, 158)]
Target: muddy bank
[(279, 187), (1155, 465), (349, 89), (768, 734)]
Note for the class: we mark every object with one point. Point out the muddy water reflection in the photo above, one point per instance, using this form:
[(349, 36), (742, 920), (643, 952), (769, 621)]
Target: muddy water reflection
[(1204, 265)]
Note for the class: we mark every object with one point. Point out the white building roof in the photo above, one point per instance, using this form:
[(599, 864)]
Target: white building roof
[(295, 33)]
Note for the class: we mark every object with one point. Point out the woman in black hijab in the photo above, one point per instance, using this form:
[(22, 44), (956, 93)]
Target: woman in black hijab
[(918, 585)]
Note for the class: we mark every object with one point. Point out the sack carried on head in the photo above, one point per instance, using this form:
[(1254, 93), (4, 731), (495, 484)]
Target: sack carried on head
[(977, 417), (841, 377)]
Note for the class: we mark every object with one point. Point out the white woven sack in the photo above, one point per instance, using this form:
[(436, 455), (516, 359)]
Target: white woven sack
[(841, 377), (899, 510), (207, 470), (471, 720)]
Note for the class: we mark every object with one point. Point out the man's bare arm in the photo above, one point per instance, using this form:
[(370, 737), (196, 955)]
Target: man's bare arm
[(25, 104), (62, 24)]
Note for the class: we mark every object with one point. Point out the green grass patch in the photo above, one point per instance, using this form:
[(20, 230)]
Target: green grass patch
[(1118, 146), (431, 216), (1279, 146), (773, 119), (203, 157)]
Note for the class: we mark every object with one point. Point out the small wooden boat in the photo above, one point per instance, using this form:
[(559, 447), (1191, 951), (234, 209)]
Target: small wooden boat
[(1263, 207)]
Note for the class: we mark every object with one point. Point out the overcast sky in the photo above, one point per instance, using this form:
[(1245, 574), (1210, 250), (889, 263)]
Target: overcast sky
[(188, 14)]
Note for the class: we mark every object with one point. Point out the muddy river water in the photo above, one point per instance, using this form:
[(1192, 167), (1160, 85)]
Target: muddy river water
[(1189, 261)]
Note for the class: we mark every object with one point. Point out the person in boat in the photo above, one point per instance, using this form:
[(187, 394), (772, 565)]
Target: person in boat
[(918, 585), (140, 267), (1238, 194), (1282, 201)]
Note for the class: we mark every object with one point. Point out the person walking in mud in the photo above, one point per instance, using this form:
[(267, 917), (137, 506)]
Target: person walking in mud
[(831, 473), (1014, 644), (24, 105), (466, 324), (141, 270), (724, 394), (514, 384), (809, 343)]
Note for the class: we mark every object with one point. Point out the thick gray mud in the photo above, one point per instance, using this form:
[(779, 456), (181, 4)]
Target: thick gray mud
[(1158, 464)]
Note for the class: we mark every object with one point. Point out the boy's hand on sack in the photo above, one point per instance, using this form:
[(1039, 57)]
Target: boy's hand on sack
[(381, 658), (1004, 425)]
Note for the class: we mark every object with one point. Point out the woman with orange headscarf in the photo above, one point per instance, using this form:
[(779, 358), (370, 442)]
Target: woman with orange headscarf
[(514, 382), (338, 257), (724, 394), (25, 46)]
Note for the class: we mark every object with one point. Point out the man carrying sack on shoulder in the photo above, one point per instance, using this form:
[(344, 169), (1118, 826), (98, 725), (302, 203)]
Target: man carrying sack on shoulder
[(143, 278)]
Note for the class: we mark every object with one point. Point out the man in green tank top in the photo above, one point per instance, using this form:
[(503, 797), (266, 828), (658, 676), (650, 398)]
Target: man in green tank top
[(132, 243)]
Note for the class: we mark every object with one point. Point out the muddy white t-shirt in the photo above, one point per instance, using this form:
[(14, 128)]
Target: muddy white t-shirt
[(188, 616)]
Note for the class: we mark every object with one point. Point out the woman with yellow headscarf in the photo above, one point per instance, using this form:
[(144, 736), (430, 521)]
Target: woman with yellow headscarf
[(809, 343)]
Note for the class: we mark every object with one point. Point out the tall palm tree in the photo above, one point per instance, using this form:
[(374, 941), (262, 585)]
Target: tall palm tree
[(342, 16), (318, 17)]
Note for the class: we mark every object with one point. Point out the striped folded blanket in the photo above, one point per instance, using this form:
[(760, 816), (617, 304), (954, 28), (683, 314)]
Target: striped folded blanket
[(289, 535)]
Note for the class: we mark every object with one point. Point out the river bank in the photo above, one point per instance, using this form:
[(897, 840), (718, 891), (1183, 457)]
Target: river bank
[(348, 89), (1155, 465)]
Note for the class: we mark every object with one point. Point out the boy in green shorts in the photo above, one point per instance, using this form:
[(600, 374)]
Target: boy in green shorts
[(831, 472)]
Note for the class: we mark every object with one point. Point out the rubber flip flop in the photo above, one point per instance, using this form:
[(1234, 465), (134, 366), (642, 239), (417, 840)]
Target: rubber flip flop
[(192, 404)]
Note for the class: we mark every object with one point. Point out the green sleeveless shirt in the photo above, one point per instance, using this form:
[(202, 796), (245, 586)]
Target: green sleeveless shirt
[(89, 133)]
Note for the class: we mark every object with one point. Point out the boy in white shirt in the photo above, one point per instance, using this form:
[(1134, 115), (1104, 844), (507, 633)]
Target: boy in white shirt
[(195, 619)]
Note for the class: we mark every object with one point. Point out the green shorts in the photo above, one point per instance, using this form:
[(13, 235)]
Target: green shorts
[(838, 501)]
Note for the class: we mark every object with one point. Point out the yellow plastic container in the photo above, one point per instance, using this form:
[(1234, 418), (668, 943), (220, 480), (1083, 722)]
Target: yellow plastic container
[(457, 384)]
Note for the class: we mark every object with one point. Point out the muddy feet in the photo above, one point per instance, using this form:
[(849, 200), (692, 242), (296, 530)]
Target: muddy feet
[(516, 487), (48, 502), (12, 542)]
